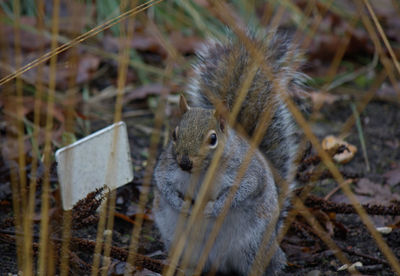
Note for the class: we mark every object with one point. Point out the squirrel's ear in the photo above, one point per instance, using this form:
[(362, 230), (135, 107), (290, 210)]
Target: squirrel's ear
[(183, 105), (221, 120)]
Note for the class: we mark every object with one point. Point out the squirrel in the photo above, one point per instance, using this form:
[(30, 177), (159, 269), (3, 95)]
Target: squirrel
[(219, 75)]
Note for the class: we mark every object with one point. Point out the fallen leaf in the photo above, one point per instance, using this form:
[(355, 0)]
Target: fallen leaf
[(185, 44), (331, 144), (320, 98), (75, 16), (354, 266), (393, 144), (88, 64), (329, 38), (30, 41), (387, 93), (144, 42), (384, 230), (143, 91), (28, 104), (346, 155), (343, 267), (11, 151), (384, 8), (370, 192), (393, 176), (139, 42), (147, 42)]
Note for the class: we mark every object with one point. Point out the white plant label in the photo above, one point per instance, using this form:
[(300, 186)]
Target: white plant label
[(100, 159)]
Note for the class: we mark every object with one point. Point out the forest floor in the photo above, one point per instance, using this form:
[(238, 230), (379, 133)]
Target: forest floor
[(306, 252)]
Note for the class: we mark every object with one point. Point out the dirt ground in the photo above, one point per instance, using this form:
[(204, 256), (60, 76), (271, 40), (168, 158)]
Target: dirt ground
[(381, 126), (307, 254)]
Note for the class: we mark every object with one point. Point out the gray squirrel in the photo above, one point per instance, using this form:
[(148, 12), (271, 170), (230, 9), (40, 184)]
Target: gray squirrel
[(220, 72)]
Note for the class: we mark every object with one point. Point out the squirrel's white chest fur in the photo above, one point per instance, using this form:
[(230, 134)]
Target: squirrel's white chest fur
[(228, 248), (253, 209)]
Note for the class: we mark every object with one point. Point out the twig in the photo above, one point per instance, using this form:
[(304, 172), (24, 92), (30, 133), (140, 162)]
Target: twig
[(8, 237), (337, 188), (6, 223), (120, 254), (88, 246), (78, 262), (354, 252), (320, 175), (305, 231), (344, 208), (313, 174), (370, 268)]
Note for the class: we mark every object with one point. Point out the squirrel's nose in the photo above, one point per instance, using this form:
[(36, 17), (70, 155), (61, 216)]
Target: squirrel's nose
[(185, 163)]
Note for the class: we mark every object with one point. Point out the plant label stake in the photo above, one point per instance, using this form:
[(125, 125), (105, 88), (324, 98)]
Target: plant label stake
[(98, 160)]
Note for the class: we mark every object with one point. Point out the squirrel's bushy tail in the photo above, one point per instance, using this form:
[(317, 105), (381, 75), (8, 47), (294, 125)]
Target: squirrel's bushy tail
[(270, 61)]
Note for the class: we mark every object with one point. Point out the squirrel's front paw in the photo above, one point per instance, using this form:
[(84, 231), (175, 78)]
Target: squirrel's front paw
[(209, 209), (186, 203), (186, 206)]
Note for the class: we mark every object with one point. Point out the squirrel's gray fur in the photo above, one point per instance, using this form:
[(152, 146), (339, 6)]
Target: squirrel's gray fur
[(219, 74)]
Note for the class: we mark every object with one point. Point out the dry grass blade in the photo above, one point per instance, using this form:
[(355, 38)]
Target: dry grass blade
[(99, 237), (362, 104), (122, 72), (310, 218), (378, 46), (44, 226), (340, 52), (154, 140), (28, 266), (69, 128), (20, 128), (382, 34)]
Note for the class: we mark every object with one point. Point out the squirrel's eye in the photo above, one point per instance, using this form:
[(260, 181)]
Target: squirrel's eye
[(213, 139), (174, 134)]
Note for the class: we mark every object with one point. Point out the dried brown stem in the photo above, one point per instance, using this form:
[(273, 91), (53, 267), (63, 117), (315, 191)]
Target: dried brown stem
[(372, 258), (121, 254), (344, 208)]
